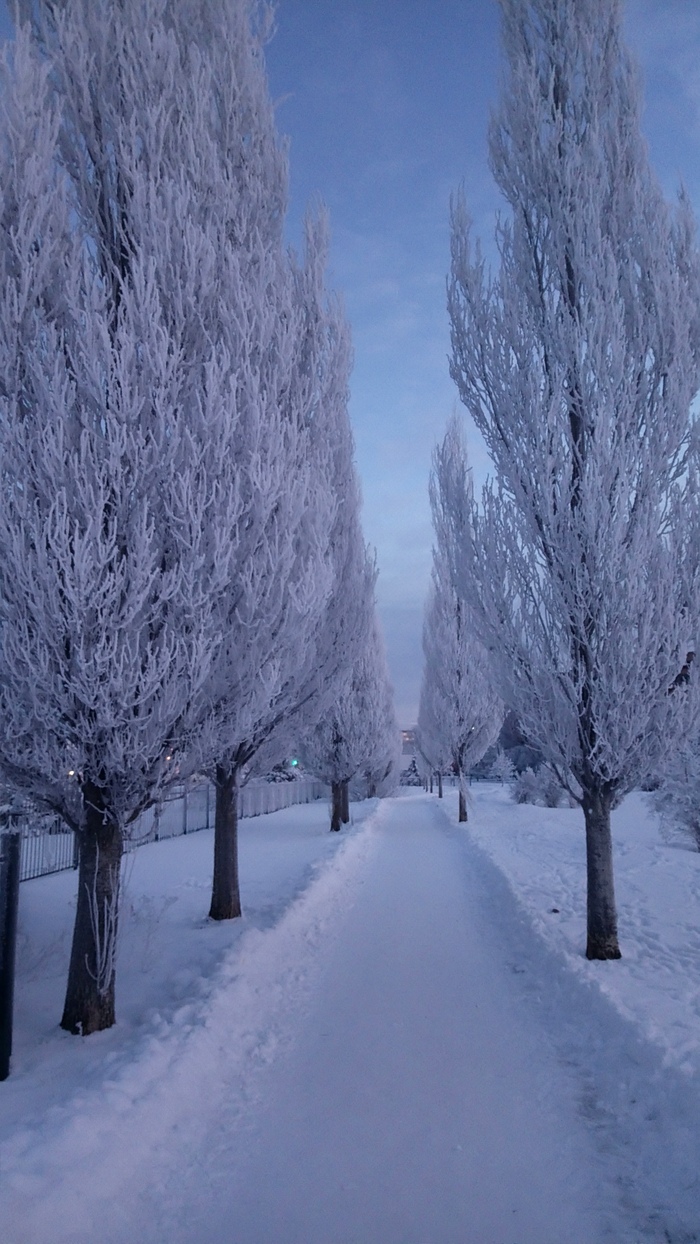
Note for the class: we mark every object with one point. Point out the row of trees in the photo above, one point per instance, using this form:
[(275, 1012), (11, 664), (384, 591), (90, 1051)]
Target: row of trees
[(184, 585), (460, 714), (359, 736), (578, 361)]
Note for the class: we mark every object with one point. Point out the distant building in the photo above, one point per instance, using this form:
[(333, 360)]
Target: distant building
[(408, 741)]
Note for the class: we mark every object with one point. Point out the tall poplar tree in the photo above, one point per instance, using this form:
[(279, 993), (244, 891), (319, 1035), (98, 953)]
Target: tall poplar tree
[(458, 704), (149, 406), (357, 733), (280, 649), (578, 361)]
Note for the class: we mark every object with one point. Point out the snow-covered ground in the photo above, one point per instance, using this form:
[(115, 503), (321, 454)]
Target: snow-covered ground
[(629, 1030), (401, 1043), (656, 985)]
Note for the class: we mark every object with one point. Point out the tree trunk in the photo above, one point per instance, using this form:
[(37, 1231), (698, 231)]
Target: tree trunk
[(336, 805), (431, 783), (462, 783), (462, 796), (439, 778), (602, 940), (345, 806), (89, 1003), (225, 894)]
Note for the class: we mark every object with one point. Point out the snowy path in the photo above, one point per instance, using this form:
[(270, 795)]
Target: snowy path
[(419, 1103), (400, 1043)]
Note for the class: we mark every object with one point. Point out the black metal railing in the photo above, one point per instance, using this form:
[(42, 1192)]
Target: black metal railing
[(49, 847)]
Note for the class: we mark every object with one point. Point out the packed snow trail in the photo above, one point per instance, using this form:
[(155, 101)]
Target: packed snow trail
[(419, 1103)]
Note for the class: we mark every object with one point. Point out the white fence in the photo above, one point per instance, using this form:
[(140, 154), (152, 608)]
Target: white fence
[(47, 847)]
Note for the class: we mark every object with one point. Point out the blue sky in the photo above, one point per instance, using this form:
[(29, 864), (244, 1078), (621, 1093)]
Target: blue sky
[(386, 105)]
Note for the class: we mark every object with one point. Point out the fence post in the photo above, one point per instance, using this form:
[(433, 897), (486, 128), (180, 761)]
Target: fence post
[(10, 847)]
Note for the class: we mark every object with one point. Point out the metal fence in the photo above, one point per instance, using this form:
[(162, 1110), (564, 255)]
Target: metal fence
[(48, 847)]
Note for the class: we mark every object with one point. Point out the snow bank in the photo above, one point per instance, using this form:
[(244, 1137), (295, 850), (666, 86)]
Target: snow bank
[(541, 852), (627, 1030), (201, 1009)]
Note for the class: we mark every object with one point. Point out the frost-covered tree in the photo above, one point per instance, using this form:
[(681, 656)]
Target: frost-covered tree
[(457, 682), (422, 767), (353, 733), (677, 797), (383, 764), (457, 679), (431, 743), (289, 633), (317, 677), (382, 769), (103, 609), (148, 341), (578, 361), (502, 768), (340, 634)]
